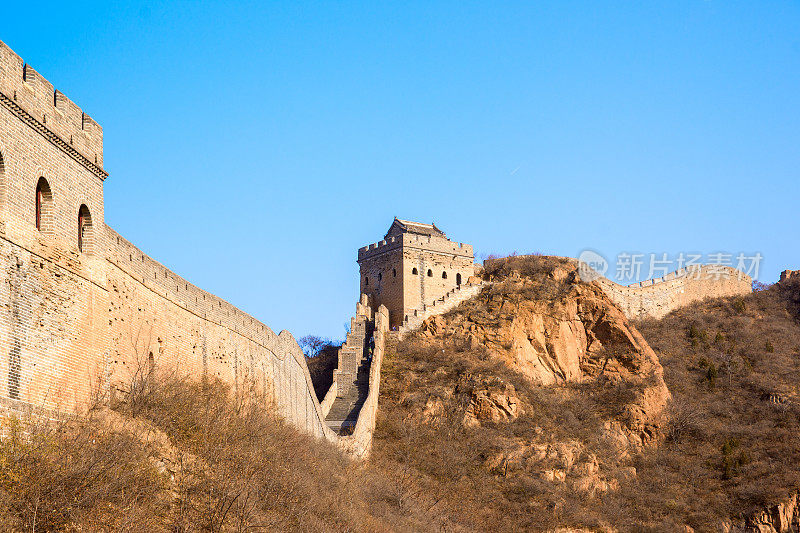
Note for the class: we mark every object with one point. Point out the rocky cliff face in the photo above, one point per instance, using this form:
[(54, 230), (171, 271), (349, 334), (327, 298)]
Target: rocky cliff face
[(786, 275), (557, 329), (783, 517)]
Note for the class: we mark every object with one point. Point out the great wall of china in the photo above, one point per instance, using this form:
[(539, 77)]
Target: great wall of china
[(86, 310), (657, 297)]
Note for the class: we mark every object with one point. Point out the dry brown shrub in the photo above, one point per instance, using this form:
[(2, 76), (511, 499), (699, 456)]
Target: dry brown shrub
[(699, 476), (77, 474), (230, 465), (241, 468)]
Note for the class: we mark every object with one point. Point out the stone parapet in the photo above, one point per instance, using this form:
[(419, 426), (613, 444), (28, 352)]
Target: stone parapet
[(655, 298), (29, 92), (451, 300), (429, 243), (359, 443)]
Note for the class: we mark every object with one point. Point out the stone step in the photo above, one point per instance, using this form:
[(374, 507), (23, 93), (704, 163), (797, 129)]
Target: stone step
[(341, 427), (353, 377)]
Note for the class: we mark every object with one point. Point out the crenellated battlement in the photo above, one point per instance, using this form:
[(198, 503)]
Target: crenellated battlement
[(658, 296), (29, 94), (426, 242), (692, 272)]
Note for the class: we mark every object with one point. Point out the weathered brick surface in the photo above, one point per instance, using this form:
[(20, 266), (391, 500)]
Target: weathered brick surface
[(74, 322), (153, 311), (52, 326)]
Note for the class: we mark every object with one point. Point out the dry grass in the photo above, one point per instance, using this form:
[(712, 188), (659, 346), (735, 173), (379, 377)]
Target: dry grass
[(444, 464), (60, 476), (187, 456), (537, 270), (242, 469), (733, 366), (221, 463), (447, 467)]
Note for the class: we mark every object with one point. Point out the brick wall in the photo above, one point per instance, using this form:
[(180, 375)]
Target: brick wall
[(657, 297), (78, 323), (53, 326), (154, 311), (382, 278), (53, 333)]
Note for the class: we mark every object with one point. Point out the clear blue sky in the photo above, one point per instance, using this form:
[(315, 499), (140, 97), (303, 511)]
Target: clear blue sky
[(254, 147)]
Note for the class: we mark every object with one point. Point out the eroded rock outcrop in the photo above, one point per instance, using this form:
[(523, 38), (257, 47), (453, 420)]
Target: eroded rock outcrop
[(560, 330), (491, 399), (781, 517)]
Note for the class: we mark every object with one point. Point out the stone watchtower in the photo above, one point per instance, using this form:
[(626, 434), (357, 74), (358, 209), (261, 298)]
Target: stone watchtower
[(412, 267)]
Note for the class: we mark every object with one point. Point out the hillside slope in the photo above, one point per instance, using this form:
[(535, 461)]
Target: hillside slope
[(508, 412), (733, 367), (524, 408), (536, 406), (183, 456)]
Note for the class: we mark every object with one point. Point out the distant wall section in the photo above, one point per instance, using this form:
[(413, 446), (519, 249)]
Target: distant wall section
[(655, 298)]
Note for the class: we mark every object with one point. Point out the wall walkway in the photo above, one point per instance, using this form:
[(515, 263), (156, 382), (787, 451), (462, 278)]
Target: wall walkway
[(655, 298), (351, 403), (450, 300)]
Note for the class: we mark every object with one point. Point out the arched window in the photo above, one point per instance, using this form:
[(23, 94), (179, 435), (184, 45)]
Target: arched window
[(366, 281), (458, 279), (394, 272), (414, 271), (44, 206), (85, 231), (430, 273), (444, 275), (380, 276)]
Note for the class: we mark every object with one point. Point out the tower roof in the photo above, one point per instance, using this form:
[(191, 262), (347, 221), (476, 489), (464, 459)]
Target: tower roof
[(418, 228)]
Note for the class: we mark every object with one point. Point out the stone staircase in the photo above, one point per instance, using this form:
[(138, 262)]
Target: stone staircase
[(442, 305), (352, 377)]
